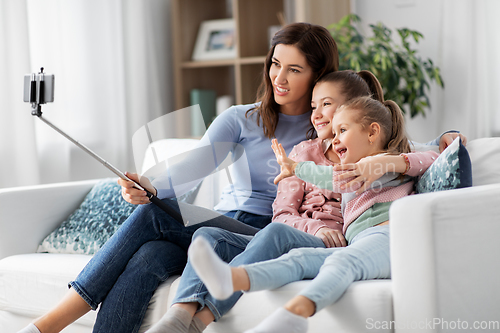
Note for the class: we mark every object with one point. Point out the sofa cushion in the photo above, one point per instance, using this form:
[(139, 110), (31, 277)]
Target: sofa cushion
[(99, 216), (31, 284), (365, 307), (452, 169)]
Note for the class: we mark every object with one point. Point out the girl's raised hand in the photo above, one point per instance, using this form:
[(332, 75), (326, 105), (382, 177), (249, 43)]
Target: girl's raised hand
[(287, 165), (447, 139)]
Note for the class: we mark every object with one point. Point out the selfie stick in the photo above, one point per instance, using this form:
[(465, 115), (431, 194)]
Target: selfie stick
[(36, 110)]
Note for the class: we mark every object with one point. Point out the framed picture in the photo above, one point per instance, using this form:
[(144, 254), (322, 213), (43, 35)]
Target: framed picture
[(216, 40)]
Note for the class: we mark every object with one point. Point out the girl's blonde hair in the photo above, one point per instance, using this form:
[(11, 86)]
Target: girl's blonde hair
[(388, 115)]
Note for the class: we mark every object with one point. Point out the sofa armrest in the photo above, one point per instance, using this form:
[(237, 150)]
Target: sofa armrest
[(28, 214), (444, 253)]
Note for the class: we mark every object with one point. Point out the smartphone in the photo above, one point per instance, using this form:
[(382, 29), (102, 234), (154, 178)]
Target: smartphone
[(32, 88)]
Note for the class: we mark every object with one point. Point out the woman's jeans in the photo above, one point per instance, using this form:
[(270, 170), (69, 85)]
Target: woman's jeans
[(149, 247), (271, 242), (333, 269)]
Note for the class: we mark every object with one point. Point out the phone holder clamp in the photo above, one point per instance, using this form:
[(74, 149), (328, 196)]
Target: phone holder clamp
[(37, 92)]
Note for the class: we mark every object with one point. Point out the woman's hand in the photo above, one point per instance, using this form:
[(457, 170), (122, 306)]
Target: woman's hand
[(132, 194), (368, 169), (331, 237), (287, 165), (448, 138)]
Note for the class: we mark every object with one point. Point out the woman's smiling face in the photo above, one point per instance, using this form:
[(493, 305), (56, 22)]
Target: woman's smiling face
[(292, 79), (326, 98)]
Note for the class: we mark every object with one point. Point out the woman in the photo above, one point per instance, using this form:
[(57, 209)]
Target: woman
[(150, 246)]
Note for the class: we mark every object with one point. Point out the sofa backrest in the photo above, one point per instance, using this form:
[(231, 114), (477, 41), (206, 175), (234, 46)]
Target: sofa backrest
[(485, 157)]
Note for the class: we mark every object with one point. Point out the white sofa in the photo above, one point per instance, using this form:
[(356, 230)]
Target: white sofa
[(444, 260)]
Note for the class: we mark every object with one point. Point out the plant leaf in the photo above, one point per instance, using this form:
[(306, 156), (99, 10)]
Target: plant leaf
[(403, 75)]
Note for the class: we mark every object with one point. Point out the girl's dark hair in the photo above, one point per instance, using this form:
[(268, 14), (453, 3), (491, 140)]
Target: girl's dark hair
[(320, 50), (388, 115), (352, 85)]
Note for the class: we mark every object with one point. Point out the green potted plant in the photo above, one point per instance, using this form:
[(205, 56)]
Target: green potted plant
[(403, 74)]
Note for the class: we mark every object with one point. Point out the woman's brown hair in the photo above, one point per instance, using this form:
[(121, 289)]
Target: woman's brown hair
[(388, 115), (352, 84), (320, 50)]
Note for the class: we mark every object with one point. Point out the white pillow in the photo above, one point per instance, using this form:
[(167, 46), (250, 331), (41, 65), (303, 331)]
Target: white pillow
[(485, 157)]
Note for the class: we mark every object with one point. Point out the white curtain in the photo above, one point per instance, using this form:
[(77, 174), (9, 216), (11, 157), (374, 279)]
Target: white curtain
[(471, 53), (111, 61), (19, 163)]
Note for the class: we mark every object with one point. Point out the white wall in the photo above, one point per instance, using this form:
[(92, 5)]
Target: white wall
[(425, 17), (460, 36)]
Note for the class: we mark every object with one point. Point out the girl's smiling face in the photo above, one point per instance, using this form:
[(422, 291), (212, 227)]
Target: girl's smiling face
[(292, 79), (351, 141), (326, 99)]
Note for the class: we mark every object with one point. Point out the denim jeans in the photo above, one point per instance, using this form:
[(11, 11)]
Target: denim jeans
[(149, 247), (271, 242), (333, 269)]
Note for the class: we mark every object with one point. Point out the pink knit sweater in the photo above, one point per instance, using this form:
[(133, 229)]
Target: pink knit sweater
[(419, 162), (303, 205)]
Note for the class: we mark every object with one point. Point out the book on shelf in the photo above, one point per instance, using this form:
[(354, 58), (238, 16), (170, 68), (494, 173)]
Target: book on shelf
[(205, 98)]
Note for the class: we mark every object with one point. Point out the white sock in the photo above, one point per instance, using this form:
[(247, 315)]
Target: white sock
[(31, 328), (176, 320), (281, 321), (215, 273), (197, 326)]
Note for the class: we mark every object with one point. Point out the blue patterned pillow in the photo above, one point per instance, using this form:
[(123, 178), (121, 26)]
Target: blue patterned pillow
[(452, 169), (101, 213), (92, 224)]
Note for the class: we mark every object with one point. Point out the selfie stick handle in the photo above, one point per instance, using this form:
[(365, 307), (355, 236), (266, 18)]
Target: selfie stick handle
[(153, 198)]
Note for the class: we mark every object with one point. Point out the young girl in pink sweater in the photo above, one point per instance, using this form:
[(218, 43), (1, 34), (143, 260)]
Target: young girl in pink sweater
[(364, 129)]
